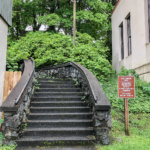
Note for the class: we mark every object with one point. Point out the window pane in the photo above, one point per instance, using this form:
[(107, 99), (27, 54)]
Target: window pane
[(129, 35), (122, 43)]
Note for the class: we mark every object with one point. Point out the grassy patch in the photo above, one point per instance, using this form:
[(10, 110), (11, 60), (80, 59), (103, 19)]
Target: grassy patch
[(139, 116), (139, 138)]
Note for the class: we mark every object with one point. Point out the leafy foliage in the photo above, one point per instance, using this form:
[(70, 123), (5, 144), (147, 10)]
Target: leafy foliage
[(141, 103), (6, 147), (49, 49), (50, 20)]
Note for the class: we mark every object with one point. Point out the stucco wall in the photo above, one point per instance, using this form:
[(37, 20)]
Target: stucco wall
[(140, 56), (3, 47)]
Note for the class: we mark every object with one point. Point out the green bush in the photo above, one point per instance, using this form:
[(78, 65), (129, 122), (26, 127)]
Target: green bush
[(6, 147), (50, 49)]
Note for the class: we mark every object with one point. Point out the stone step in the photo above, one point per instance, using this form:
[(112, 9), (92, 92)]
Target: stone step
[(60, 148), (54, 98), (59, 131), (56, 141), (55, 79), (67, 97), (56, 82), (58, 104), (59, 123), (46, 94), (57, 86), (58, 109), (59, 90), (59, 116)]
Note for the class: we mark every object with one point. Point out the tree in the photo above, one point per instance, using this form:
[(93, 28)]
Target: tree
[(92, 16)]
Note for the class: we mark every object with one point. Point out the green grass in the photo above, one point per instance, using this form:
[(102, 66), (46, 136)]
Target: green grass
[(139, 116), (5, 147), (139, 138)]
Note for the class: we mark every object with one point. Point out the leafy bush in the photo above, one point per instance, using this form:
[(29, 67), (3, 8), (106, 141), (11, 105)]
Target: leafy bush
[(50, 20), (141, 102), (6, 147), (49, 49)]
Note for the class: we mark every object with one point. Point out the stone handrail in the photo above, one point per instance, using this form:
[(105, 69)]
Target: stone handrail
[(16, 105), (15, 98), (101, 101)]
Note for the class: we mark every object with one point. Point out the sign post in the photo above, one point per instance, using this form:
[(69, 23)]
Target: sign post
[(126, 116), (126, 89)]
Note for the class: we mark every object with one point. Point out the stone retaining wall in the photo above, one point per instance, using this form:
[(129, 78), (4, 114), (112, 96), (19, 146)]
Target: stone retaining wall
[(15, 122)]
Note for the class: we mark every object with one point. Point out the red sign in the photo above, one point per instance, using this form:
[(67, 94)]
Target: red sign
[(126, 87)]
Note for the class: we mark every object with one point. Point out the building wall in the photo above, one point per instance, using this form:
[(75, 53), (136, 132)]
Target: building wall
[(3, 47), (140, 57)]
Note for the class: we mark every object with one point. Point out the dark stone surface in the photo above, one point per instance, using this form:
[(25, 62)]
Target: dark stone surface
[(14, 121), (93, 95), (60, 148)]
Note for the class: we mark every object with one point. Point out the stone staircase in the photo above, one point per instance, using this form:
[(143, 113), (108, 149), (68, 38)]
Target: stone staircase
[(59, 117)]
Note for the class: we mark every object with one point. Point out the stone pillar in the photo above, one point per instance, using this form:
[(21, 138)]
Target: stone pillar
[(102, 126), (3, 48)]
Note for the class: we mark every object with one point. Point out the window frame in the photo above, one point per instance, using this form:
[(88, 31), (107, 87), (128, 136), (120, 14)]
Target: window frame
[(129, 40), (149, 18), (121, 27)]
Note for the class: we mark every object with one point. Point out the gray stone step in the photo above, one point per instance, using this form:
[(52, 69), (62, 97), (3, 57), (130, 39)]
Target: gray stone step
[(55, 141), (59, 116), (59, 90), (57, 86), (62, 148), (55, 79), (41, 94), (58, 109), (56, 82), (59, 131), (58, 104), (54, 98), (59, 123)]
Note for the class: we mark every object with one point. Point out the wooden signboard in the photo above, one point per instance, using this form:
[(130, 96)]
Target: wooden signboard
[(126, 89)]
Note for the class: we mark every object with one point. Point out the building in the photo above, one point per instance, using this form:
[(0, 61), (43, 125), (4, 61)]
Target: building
[(5, 21), (131, 36)]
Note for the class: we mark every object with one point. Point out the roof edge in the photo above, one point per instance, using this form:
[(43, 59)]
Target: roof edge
[(115, 7)]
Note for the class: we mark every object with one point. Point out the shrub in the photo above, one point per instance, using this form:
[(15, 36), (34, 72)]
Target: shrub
[(50, 49)]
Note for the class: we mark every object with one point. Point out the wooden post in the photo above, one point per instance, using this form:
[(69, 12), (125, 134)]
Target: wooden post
[(74, 22), (126, 111)]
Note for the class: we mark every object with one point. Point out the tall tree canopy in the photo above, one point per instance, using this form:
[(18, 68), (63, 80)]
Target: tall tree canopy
[(93, 17), (93, 20)]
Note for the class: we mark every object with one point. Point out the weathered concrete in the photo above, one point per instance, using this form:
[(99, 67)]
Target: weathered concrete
[(101, 117), (140, 57), (3, 48)]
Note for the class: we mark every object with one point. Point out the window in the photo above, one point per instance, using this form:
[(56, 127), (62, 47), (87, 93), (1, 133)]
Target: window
[(122, 42), (149, 17), (129, 34)]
